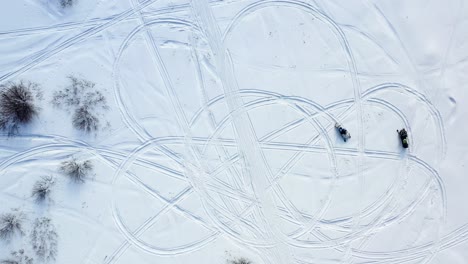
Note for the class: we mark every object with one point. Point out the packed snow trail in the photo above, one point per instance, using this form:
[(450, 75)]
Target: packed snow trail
[(252, 159)]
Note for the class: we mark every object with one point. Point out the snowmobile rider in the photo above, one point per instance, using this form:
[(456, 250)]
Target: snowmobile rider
[(343, 132), (403, 137)]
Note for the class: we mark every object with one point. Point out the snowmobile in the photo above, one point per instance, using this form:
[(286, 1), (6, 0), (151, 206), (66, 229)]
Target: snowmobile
[(403, 137), (343, 132)]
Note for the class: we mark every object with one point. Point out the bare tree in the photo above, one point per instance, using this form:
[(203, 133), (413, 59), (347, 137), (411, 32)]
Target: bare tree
[(82, 98), (67, 3), (44, 239), (84, 120), (75, 93), (18, 257), (75, 170), (11, 223), (42, 188), (17, 105), (241, 261)]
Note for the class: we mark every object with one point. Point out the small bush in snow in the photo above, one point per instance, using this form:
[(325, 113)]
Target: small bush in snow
[(241, 261), (75, 170), (84, 120), (18, 257), (11, 223), (17, 105), (44, 239), (42, 188), (67, 3), (81, 98)]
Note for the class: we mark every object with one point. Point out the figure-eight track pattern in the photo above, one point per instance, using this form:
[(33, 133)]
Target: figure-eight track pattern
[(233, 206)]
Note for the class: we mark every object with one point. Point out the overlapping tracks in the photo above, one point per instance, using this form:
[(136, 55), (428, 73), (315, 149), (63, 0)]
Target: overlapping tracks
[(234, 207)]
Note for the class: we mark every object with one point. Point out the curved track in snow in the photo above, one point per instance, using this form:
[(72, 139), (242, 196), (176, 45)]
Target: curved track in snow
[(245, 209)]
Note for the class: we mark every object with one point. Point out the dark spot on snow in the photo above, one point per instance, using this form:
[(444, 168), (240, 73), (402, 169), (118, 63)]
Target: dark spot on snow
[(452, 100)]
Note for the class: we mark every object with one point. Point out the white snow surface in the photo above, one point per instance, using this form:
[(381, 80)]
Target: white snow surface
[(221, 141)]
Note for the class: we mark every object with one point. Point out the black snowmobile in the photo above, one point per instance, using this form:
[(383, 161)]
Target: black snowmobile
[(403, 137), (343, 132)]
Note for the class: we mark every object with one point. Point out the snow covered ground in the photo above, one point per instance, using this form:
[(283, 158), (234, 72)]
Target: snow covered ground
[(219, 138)]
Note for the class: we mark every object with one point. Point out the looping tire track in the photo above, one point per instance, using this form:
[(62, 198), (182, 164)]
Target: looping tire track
[(219, 98), (413, 253), (81, 145), (374, 153), (350, 60), (104, 155)]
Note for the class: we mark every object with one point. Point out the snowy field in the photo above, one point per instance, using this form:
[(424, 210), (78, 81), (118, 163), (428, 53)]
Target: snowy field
[(214, 134)]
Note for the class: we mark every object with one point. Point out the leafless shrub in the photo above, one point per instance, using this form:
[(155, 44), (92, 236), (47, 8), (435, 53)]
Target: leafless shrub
[(44, 239), (76, 93), (9, 261), (11, 223), (18, 257), (67, 3), (17, 105), (84, 120), (42, 188), (75, 170), (241, 261), (81, 98)]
